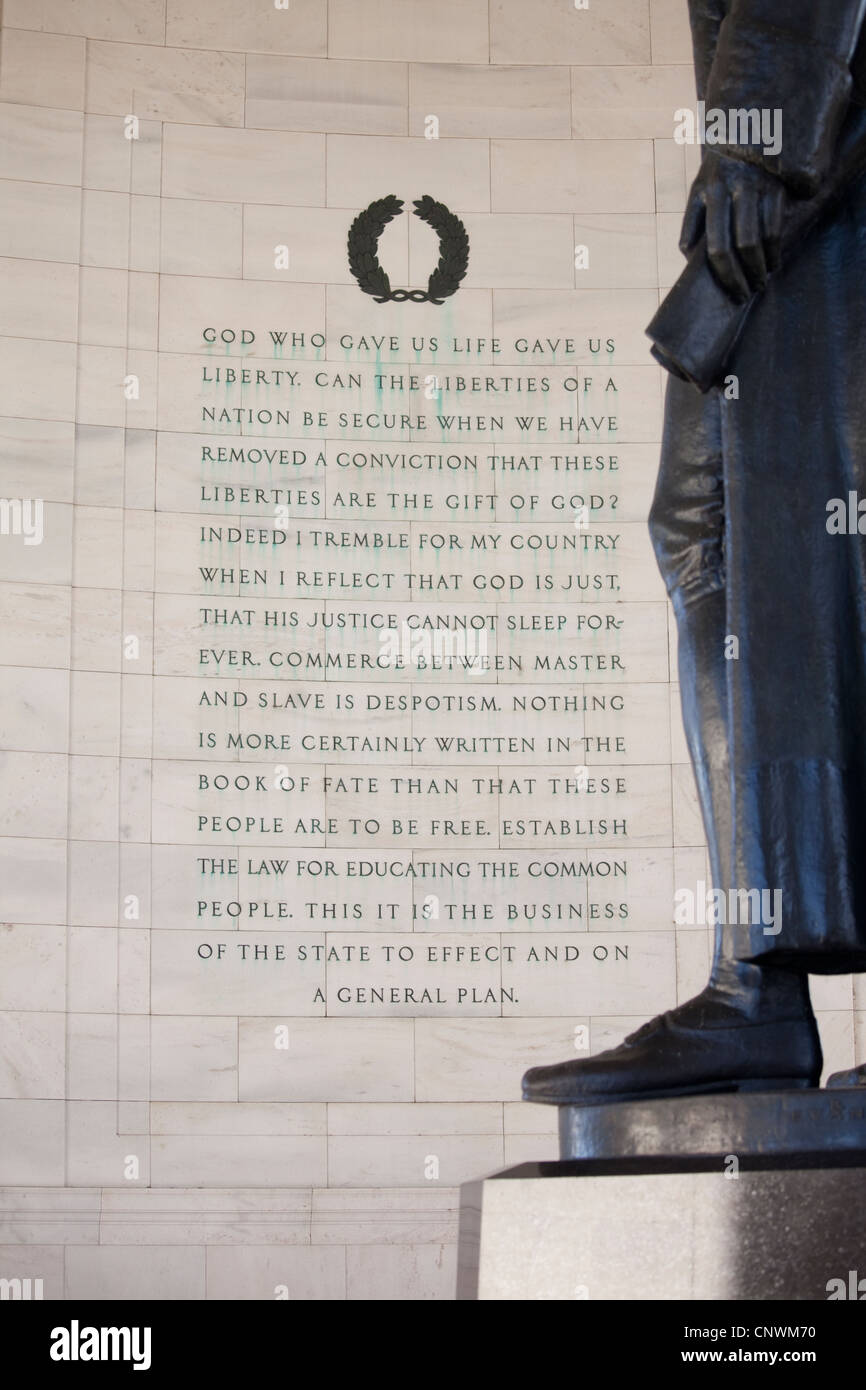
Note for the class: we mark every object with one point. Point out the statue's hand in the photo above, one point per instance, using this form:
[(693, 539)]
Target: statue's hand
[(741, 207)]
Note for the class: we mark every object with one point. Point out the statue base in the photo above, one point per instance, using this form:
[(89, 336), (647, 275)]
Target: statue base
[(733, 1197), (748, 1124)]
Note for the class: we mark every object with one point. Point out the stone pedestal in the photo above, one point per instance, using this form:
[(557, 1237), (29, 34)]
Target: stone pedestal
[(812, 1124), (726, 1197)]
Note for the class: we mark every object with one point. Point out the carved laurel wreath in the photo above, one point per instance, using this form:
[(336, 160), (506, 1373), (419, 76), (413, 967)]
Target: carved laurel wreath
[(363, 245)]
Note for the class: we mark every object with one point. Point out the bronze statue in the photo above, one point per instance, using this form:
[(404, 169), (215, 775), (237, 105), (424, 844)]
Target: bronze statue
[(756, 528)]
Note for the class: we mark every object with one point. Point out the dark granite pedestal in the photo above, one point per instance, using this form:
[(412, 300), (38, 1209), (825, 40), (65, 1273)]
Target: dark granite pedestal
[(748, 1125), (740, 1196)]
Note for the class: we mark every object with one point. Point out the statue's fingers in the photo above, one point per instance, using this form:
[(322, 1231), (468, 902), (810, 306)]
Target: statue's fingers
[(720, 243), (693, 222), (772, 218), (748, 236)]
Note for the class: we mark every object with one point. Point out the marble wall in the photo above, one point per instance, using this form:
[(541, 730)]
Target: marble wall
[(180, 1117)]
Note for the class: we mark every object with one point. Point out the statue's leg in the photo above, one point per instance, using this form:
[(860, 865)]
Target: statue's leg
[(687, 527), (752, 1027), (761, 991)]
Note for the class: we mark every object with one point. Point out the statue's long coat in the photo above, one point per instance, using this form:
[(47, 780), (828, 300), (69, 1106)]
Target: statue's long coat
[(794, 440)]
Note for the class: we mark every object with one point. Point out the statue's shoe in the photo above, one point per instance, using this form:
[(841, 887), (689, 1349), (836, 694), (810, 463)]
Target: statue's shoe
[(855, 1077), (673, 1055)]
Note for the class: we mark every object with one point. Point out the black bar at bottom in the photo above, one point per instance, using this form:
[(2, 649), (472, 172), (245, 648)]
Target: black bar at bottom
[(59, 1339)]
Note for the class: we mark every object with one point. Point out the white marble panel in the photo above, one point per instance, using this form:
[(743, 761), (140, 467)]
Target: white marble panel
[(120, 165), (596, 176), (136, 1273), (165, 84), (32, 968), (669, 29), (40, 144), (38, 378), (204, 161), (414, 1120), (456, 31), (91, 1056), (480, 100), (31, 1142), (42, 69), (248, 26), (507, 251), (327, 1059), (259, 1161), (199, 238), (40, 220), (33, 800), (24, 863), (125, 20), (409, 1160), (206, 1216), (621, 251), (39, 299), (456, 172), (204, 1118), (411, 1273), (92, 970), (359, 98), (37, 721), (117, 308), (671, 176), (193, 1057), (316, 1274), (626, 102), (548, 32), (389, 1216), (32, 1055)]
